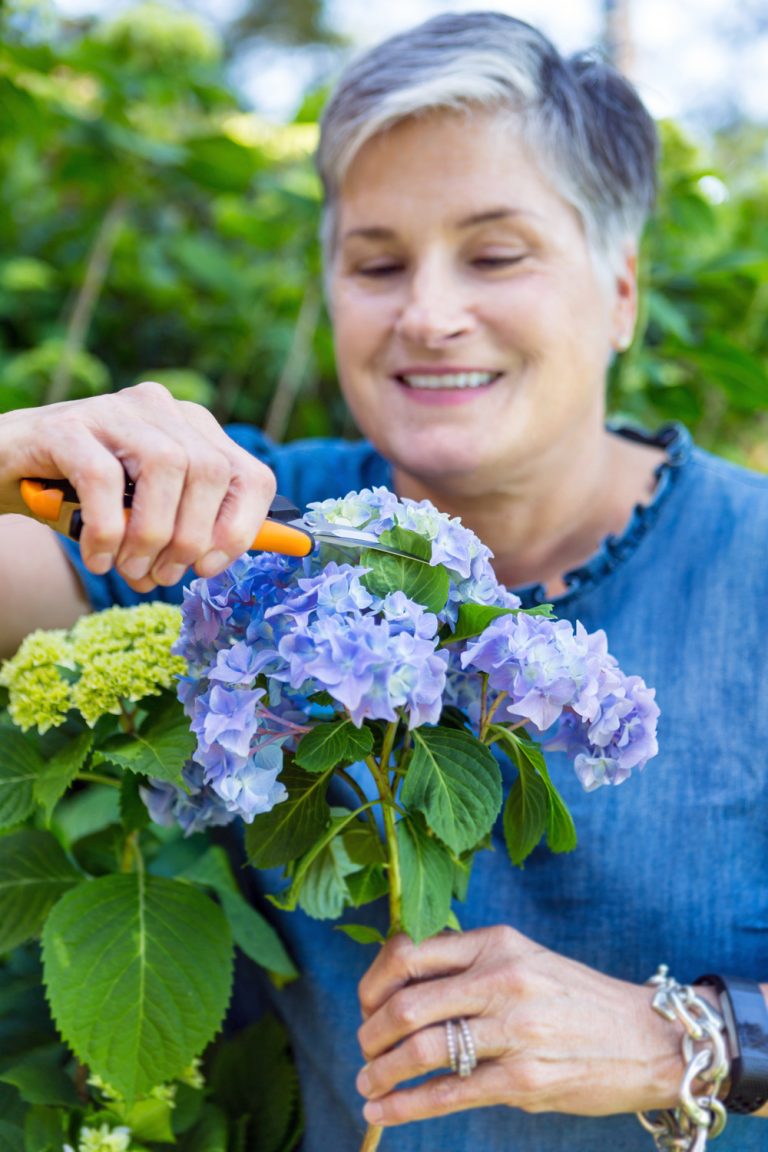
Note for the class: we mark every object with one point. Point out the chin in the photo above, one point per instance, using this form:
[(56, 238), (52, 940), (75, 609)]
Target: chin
[(446, 464)]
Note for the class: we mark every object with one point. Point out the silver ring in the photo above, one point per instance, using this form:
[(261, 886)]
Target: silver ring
[(462, 1054), (450, 1039)]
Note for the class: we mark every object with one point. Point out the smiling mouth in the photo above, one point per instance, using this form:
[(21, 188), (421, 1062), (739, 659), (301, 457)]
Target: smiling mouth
[(448, 381)]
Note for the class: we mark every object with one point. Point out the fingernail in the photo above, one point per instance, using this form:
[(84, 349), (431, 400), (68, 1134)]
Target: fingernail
[(373, 1112), (363, 1083), (135, 568), (101, 562), (212, 563), (169, 574)]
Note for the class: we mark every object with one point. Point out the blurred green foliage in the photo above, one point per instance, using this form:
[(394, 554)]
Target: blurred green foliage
[(151, 227)]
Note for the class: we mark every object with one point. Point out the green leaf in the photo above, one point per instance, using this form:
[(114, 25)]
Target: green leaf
[(294, 824), (289, 899), (561, 831), (210, 1133), (40, 1079), (34, 874), (525, 814), (189, 1103), (427, 878), (159, 750), (427, 584), (86, 812), (134, 814), (259, 1055), (150, 1120), (532, 767), (367, 885), (44, 1129), (58, 773), (332, 745), (455, 782), (406, 540), (11, 1138), (474, 619), (12, 1108), (361, 933), (462, 870), (252, 933), (156, 956), (364, 844), (20, 766), (101, 853), (256, 937), (324, 893)]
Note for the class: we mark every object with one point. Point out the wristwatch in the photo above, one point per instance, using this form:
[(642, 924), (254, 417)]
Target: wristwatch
[(746, 1022)]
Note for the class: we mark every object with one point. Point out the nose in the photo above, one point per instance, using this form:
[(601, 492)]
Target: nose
[(435, 308)]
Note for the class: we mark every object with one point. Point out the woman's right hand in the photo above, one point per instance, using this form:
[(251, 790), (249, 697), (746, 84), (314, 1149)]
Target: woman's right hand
[(199, 498)]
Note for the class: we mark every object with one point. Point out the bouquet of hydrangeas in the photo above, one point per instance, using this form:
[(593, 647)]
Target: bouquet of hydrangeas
[(400, 674), (403, 676)]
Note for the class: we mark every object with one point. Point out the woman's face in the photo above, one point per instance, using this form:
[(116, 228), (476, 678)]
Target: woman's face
[(472, 329)]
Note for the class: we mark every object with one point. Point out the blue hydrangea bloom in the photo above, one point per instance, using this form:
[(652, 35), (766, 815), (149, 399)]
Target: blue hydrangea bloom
[(265, 638)]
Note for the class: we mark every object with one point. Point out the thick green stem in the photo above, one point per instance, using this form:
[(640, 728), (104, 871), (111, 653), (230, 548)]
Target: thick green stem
[(132, 859), (380, 774), (97, 778)]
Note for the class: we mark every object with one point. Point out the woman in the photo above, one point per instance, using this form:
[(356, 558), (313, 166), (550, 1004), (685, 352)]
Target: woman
[(484, 203)]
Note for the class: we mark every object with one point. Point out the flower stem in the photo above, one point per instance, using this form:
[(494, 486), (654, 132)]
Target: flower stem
[(487, 721), (132, 859), (372, 1137), (353, 784), (380, 772)]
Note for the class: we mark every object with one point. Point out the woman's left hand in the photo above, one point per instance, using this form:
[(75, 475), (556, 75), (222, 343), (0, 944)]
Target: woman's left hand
[(550, 1033)]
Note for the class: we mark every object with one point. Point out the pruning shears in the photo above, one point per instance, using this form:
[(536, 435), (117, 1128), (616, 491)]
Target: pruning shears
[(57, 502)]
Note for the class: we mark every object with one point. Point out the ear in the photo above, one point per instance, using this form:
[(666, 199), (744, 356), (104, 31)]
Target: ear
[(624, 312)]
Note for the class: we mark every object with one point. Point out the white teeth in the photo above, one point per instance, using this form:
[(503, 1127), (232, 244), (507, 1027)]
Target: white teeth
[(451, 380)]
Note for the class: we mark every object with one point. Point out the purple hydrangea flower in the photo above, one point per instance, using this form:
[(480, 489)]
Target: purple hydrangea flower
[(368, 668), (194, 809), (264, 638)]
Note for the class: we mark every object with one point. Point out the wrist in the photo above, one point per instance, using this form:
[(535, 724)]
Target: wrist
[(745, 1018), (698, 1028)]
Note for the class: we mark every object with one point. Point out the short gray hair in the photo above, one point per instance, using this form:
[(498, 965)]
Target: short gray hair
[(582, 120)]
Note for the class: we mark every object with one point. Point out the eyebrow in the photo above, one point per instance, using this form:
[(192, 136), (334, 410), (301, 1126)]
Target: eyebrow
[(486, 217)]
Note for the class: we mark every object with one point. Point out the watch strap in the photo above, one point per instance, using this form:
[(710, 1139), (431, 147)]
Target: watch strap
[(746, 1019)]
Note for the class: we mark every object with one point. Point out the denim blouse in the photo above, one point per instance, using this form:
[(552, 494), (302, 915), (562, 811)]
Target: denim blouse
[(672, 866)]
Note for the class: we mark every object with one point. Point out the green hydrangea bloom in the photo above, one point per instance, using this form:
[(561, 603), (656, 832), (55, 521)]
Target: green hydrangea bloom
[(124, 654), (103, 1139), (193, 1075), (165, 1093), (119, 655), (39, 689)]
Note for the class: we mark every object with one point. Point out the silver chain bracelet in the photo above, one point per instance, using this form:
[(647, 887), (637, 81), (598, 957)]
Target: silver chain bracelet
[(687, 1127)]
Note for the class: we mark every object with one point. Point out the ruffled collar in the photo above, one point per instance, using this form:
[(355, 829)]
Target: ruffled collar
[(615, 550)]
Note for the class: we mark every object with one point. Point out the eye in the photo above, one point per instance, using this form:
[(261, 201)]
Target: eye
[(380, 271), (498, 261)]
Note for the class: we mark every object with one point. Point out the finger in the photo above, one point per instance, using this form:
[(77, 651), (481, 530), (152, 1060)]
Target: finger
[(400, 961), (217, 522), (426, 1051), (205, 487), (99, 479), (241, 514), (157, 464), (440, 1096), (420, 1005)]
